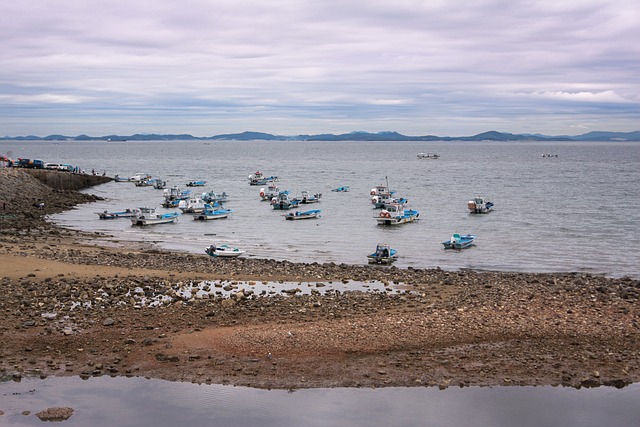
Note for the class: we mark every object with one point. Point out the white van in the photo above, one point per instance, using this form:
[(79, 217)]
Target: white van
[(54, 166)]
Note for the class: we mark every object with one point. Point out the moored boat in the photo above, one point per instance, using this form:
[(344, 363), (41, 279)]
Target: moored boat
[(342, 189), (307, 198), (196, 183), (223, 251), (384, 254), (149, 216), (258, 178), (314, 213), (268, 193), (479, 205), (128, 213), (395, 214), (283, 201), (459, 242), (210, 213), (428, 155)]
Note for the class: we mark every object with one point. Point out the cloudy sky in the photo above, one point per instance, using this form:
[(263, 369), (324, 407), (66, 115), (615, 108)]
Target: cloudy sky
[(419, 67)]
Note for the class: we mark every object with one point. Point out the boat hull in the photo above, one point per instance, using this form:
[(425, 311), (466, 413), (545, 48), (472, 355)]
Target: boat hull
[(152, 221)]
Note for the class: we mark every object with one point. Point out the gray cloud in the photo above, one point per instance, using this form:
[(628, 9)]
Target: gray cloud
[(290, 66)]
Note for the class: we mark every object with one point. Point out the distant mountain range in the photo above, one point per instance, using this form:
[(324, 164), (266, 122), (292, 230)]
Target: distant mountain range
[(352, 136)]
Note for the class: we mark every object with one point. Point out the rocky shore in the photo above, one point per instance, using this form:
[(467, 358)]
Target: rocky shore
[(74, 305)]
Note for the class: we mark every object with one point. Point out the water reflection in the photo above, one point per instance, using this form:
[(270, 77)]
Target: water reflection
[(110, 402)]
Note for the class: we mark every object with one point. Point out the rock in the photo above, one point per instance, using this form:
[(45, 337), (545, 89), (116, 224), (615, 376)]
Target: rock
[(55, 414), (108, 322)]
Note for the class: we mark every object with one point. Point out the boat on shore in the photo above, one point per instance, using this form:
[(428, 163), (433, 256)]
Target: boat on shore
[(128, 213), (149, 216), (479, 205), (210, 213), (395, 214), (384, 254), (459, 242), (223, 251), (314, 213)]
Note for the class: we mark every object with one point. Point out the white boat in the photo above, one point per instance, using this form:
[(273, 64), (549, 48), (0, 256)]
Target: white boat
[(128, 213), (140, 176), (210, 213), (149, 216), (479, 205), (268, 193), (315, 213), (308, 198), (224, 251), (258, 178), (428, 155), (395, 214), (193, 204), (283, 201)]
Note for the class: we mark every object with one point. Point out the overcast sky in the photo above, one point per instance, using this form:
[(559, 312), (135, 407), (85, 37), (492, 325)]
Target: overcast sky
[(418, 67)]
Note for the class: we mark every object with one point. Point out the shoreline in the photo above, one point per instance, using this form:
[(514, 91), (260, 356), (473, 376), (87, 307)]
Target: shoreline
[(74, 308)]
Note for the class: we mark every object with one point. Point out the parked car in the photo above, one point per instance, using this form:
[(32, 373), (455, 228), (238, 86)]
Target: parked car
[(31, 163), (52, 166)]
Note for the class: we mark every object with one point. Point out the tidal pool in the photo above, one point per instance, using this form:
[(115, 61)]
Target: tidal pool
[(107, 402)]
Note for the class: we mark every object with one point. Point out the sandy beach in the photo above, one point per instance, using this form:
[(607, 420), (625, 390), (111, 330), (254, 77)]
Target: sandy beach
[(70, 307)]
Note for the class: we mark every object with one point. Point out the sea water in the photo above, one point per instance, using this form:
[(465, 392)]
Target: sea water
[(574, 211)]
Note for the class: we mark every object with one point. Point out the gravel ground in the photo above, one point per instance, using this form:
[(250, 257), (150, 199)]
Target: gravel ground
[(74, 305)]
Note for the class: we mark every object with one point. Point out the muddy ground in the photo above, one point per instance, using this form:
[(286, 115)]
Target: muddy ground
[(74, 304)]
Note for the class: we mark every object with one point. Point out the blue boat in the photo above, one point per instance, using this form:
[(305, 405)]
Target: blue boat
[(196, 183), (384, 254), (308, 198), (459, 242), (314, 213), (258, 178), (343, 189), (479, 205), (395, 214), (283, 201), (129, 213), (210, 213)]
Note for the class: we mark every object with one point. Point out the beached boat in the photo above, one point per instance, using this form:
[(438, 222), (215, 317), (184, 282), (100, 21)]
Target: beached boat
[(307, 198), (223, 251), (196, 183), (283, 201), (268, 193), (459, 242), (342, 189), (128, 213), (384, 254), (395, 214), (210, 213), (149, 216), (479, 205), (315, 213), (428, 155), (258, 178)]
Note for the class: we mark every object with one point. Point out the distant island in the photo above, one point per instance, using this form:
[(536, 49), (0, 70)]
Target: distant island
[(352, 136)]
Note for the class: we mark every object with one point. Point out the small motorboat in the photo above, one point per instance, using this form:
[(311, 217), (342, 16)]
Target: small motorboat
[(343, 189), (267, 194), (395, 214), (149, 216), (284, 202), (211, 213), (479, 205), (428, 155), (196, 183), (384, 254), (308, 198), (459, 242), (129, 213), (258, 178), (314, 213), (223, 251)]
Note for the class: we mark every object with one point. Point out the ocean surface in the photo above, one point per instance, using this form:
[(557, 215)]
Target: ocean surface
[(574, 211)]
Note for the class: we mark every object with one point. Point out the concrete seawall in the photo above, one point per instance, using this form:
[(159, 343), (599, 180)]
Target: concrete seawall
[(67, 181)]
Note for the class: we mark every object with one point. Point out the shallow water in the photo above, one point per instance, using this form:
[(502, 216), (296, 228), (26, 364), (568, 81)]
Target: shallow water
[(574, 212), (107, 402)]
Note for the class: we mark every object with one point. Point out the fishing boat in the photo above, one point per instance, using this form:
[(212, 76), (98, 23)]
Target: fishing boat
[(314, 213), (172, 197), (213, 197), (283, 201), (459, 242), (395, 214), (210, 213), (479, 205), (196, 183), (140, 176), (193, 204), (428, 155), (307, 198), (128, 213), (258, 178), (149, 216), (384, 254), (223, 251), (159, 184), (342, 189), (268, 193)]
